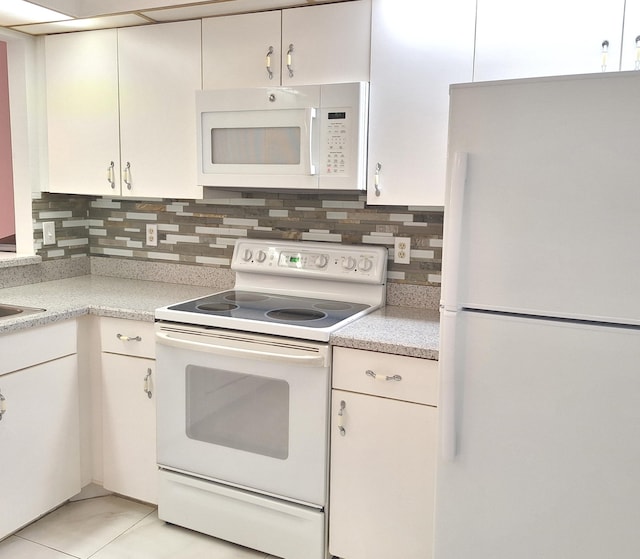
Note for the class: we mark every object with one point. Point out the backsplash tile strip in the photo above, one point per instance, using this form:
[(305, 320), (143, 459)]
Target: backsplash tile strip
[(202, 232)]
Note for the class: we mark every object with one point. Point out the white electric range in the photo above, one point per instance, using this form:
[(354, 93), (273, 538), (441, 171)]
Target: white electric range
[(243, 387)]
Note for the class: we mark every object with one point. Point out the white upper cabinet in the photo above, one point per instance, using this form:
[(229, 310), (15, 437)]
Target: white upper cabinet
[(326, 44), (160, 71), (417, 50), (120, 111), (82, 112), (547, 37), (299, 46), (241, 50), (631, 39)]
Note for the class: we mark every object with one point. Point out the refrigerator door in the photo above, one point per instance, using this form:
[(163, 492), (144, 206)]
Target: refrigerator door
[(551, 218), (547, 460)]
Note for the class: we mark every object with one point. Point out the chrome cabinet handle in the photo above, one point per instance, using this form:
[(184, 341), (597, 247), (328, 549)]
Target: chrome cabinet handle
[(110, 175), (376, 179), (123, 338), (126, 175), (289, 60), (147, 384), (3, 405), (268, 63), (605, 53), (341, 428), (385, 378), (637, 66)]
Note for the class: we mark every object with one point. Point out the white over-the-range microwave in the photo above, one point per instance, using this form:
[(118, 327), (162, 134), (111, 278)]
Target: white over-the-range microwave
[(306, 137)]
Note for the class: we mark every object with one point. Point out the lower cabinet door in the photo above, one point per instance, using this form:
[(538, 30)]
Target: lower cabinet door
[(39, 441), (383, 455), (129, 427)]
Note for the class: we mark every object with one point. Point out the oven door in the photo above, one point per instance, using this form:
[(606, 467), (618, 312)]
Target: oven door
[(243, 409)]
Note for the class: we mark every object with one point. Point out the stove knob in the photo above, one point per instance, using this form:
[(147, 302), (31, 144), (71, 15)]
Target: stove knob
[(246, 255), (366, 264), (261, 256), (322, 261), (348, 262)]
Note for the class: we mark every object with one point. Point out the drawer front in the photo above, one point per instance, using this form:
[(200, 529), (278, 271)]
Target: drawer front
[(128, 337), (383, 374), (32, 346)]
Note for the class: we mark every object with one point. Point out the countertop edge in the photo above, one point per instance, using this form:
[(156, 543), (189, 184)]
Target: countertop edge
[(395, 330)]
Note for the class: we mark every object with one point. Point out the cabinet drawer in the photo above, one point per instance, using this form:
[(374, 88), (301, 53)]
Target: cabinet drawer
[(370, 372), (127, 337), (26, 348)]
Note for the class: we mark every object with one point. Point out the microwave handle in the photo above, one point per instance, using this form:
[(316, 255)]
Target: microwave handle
[(311, 116)]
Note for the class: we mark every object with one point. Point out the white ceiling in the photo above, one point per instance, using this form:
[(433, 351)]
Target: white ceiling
[(58, 16)]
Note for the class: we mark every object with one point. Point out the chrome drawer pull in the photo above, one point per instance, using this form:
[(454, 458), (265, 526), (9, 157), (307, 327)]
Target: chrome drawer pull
[(3, 405), (373, 375), (128, 338)]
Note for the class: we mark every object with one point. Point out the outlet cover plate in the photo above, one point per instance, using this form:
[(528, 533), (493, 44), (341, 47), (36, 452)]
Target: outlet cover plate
[(402, 250)]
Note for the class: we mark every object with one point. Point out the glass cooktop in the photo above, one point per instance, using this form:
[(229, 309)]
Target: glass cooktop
[(266, 307)]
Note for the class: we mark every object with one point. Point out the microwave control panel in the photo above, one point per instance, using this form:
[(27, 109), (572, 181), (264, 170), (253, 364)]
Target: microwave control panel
[(337, 142)]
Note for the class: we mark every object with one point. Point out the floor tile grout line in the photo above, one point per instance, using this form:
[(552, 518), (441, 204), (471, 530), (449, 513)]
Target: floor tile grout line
[(123, 532), (46, 546)]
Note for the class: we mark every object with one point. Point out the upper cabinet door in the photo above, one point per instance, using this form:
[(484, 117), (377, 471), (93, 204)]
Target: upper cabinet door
[(82, 112), (417, 50), (160, 71), (631, 40), (326, 44), (241, 50), (546, 38)]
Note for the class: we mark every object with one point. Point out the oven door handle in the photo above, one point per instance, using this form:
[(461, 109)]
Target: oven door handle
[(316, 360)]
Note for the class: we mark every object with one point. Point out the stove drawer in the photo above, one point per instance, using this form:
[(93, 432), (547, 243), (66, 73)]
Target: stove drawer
[(128, 337), (383, 374)]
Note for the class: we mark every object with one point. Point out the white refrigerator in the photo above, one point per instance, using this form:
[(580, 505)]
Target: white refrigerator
[(540, 356)]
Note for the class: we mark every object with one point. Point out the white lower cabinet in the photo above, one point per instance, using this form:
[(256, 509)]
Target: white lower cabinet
[(128, 409), (383, 455), (39, 424)]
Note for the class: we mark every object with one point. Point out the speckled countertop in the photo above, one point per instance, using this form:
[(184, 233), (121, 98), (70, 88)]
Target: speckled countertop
[(90, 294), (399, 330)]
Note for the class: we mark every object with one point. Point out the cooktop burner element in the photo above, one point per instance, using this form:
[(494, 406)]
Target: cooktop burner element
[(296, 289), (295, 315)]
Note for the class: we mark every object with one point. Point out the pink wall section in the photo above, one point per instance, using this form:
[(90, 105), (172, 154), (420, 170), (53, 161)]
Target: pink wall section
[(7, 226)]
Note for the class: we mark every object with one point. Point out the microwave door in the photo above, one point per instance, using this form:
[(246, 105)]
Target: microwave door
[(259, 148)]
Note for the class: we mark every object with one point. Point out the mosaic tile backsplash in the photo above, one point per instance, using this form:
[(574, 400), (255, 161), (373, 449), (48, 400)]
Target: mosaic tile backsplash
[(203, 232)]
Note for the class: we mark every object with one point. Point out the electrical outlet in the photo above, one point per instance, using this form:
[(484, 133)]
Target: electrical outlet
[(49, 233), (152, 235), (402, 250)]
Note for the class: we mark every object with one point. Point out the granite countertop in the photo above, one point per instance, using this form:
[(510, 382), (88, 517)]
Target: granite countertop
[(91, 294), (399, 330)]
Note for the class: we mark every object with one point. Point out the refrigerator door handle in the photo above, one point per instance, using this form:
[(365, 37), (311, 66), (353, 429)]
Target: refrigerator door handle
[(453, 230), (448, 396)]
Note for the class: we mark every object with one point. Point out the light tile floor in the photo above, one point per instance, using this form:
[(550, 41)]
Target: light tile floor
[(110, 527)]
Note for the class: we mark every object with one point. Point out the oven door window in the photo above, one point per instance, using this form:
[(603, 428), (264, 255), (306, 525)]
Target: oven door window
[(236, 410)]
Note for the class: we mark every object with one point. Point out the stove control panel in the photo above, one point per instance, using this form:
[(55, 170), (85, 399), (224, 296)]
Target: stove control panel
[(332, 261)]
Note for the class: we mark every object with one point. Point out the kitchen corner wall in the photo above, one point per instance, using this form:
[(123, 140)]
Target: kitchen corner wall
[(203, 232)]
